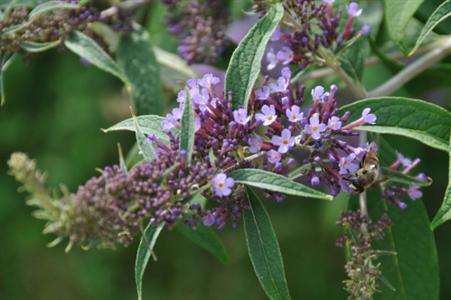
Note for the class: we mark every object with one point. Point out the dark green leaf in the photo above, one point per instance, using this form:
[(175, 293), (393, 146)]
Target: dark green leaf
[(444, 213), (399, 177), (149, 124), (397, 14), (245, 63), (275, 183), (205, 238), (145, 148), (413, 271), (441, 13), (34, 47), (263, 249), (416, 119), (145, 250), (49, 6), (187, 129), (137, 60), (87, 48)]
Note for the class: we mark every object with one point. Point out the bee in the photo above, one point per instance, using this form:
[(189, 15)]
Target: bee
[(368, 174)]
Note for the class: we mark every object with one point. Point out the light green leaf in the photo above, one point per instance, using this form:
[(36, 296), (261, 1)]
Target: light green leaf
[(205, 238), (149, 124), (245, 63), (122, 163), (187, 129), (397, 14), (263, 249), (145, 148), (138, 63), (441, 13), (145, 249), (87, 48), (444, 213), (5, 62), (34, 47), (399, 177), (275, 183), (413, 271), (49, 6), (426, 122)]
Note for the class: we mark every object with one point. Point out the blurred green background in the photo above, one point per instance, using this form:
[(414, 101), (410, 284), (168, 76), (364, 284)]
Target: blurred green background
[(55, 109)]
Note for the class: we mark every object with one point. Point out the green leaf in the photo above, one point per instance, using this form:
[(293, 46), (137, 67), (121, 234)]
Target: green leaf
[(444, 213), (5, 62), (137, 60), (263, 249), (122, 163), (187, 129), (413, 271), (87, 48), (275, 183), (397, 14), (144, 146), (34, 47), (49, 6), (205, 238), (145, 249), (245, 63), (441, 13), (416, 119), (149, 124), (399, 177)]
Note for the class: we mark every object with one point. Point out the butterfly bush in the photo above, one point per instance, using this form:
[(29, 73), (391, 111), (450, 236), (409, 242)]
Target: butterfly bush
[(281, 128)]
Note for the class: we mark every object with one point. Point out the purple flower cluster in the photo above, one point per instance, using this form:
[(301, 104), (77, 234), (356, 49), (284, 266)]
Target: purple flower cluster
[(312, 25), (200, 25)]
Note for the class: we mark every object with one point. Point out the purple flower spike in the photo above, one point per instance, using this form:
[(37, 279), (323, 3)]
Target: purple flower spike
[(284, 141), (281, 85), (267, 115), (318, 93), (255, 144), (294, 114), (240, 116), (354, 10), (367, 117), (222, 185), (314, 128), (263, 93), (414, 192), (334, 123), (274, 156), (347, 164)]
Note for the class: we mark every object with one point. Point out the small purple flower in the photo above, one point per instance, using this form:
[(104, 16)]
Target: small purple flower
[(208, 80), (286, 73), (274, 156), (209, 219), (181, 97), (172, 119), (281, 85), (285, 100), (222, 185), (314, 128), (414, 192), (201, 98), (367, 117), (365, 30), (276, 35), (354, 10), (255, 143), (240, 116), (294, 114), (315, 181), (318, 93), (197, 124), (272, 59), (263, 93), (285, 56), (334, 123), (284, 141), (267, 115), (347, 164), (405, 161)]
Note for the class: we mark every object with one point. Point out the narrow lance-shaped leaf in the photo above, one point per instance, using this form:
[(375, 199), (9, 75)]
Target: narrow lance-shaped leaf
[(397, 14), (444, 213), (426, 122), (5, 62), (245, 63), (275, 183), (144, 146), (34, 47), (263, 249), (149, 124), (205, 238), (187, 129), (145, 249), (87, 48), (441, 13), (49, 6), (137, 60)]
